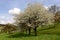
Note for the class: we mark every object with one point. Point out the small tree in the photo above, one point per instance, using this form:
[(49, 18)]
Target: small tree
[(34, 15), (9, 28), (57, 16), (54, 8)]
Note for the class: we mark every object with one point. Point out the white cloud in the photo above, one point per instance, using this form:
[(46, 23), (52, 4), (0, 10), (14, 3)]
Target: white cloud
[(14, 11), (5, 22), (2, 22), (2, 17), (10, 21), (6, 19), (46, 7)]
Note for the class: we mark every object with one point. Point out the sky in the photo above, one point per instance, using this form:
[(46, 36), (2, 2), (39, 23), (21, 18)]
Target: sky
[(10, 7)]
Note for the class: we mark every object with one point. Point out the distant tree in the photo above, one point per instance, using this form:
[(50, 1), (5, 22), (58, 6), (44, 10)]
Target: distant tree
[(54, 8), (9, 28), (34, 15), (57, 16)]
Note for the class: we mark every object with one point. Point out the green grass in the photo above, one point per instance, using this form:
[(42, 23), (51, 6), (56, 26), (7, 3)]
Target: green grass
[(45, 34), (31, 37)]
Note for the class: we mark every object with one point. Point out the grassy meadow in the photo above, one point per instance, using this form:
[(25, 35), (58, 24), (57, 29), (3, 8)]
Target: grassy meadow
[(52, 33)]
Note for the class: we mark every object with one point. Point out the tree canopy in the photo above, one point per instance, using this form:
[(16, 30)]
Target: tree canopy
[(34, 15)]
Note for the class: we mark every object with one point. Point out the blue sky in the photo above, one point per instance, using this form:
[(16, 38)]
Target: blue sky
[(6, 5)]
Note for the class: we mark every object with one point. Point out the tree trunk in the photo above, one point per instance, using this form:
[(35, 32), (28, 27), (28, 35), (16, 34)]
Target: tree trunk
[(35, 31), (26, 31), (29, 31)]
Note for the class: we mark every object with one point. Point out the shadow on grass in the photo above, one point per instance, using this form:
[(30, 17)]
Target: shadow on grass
[(19, 35)]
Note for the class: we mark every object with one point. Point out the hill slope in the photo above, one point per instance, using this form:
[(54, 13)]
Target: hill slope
[(46, 34)]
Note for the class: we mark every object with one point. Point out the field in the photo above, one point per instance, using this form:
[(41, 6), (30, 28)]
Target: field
[(45, 34)]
